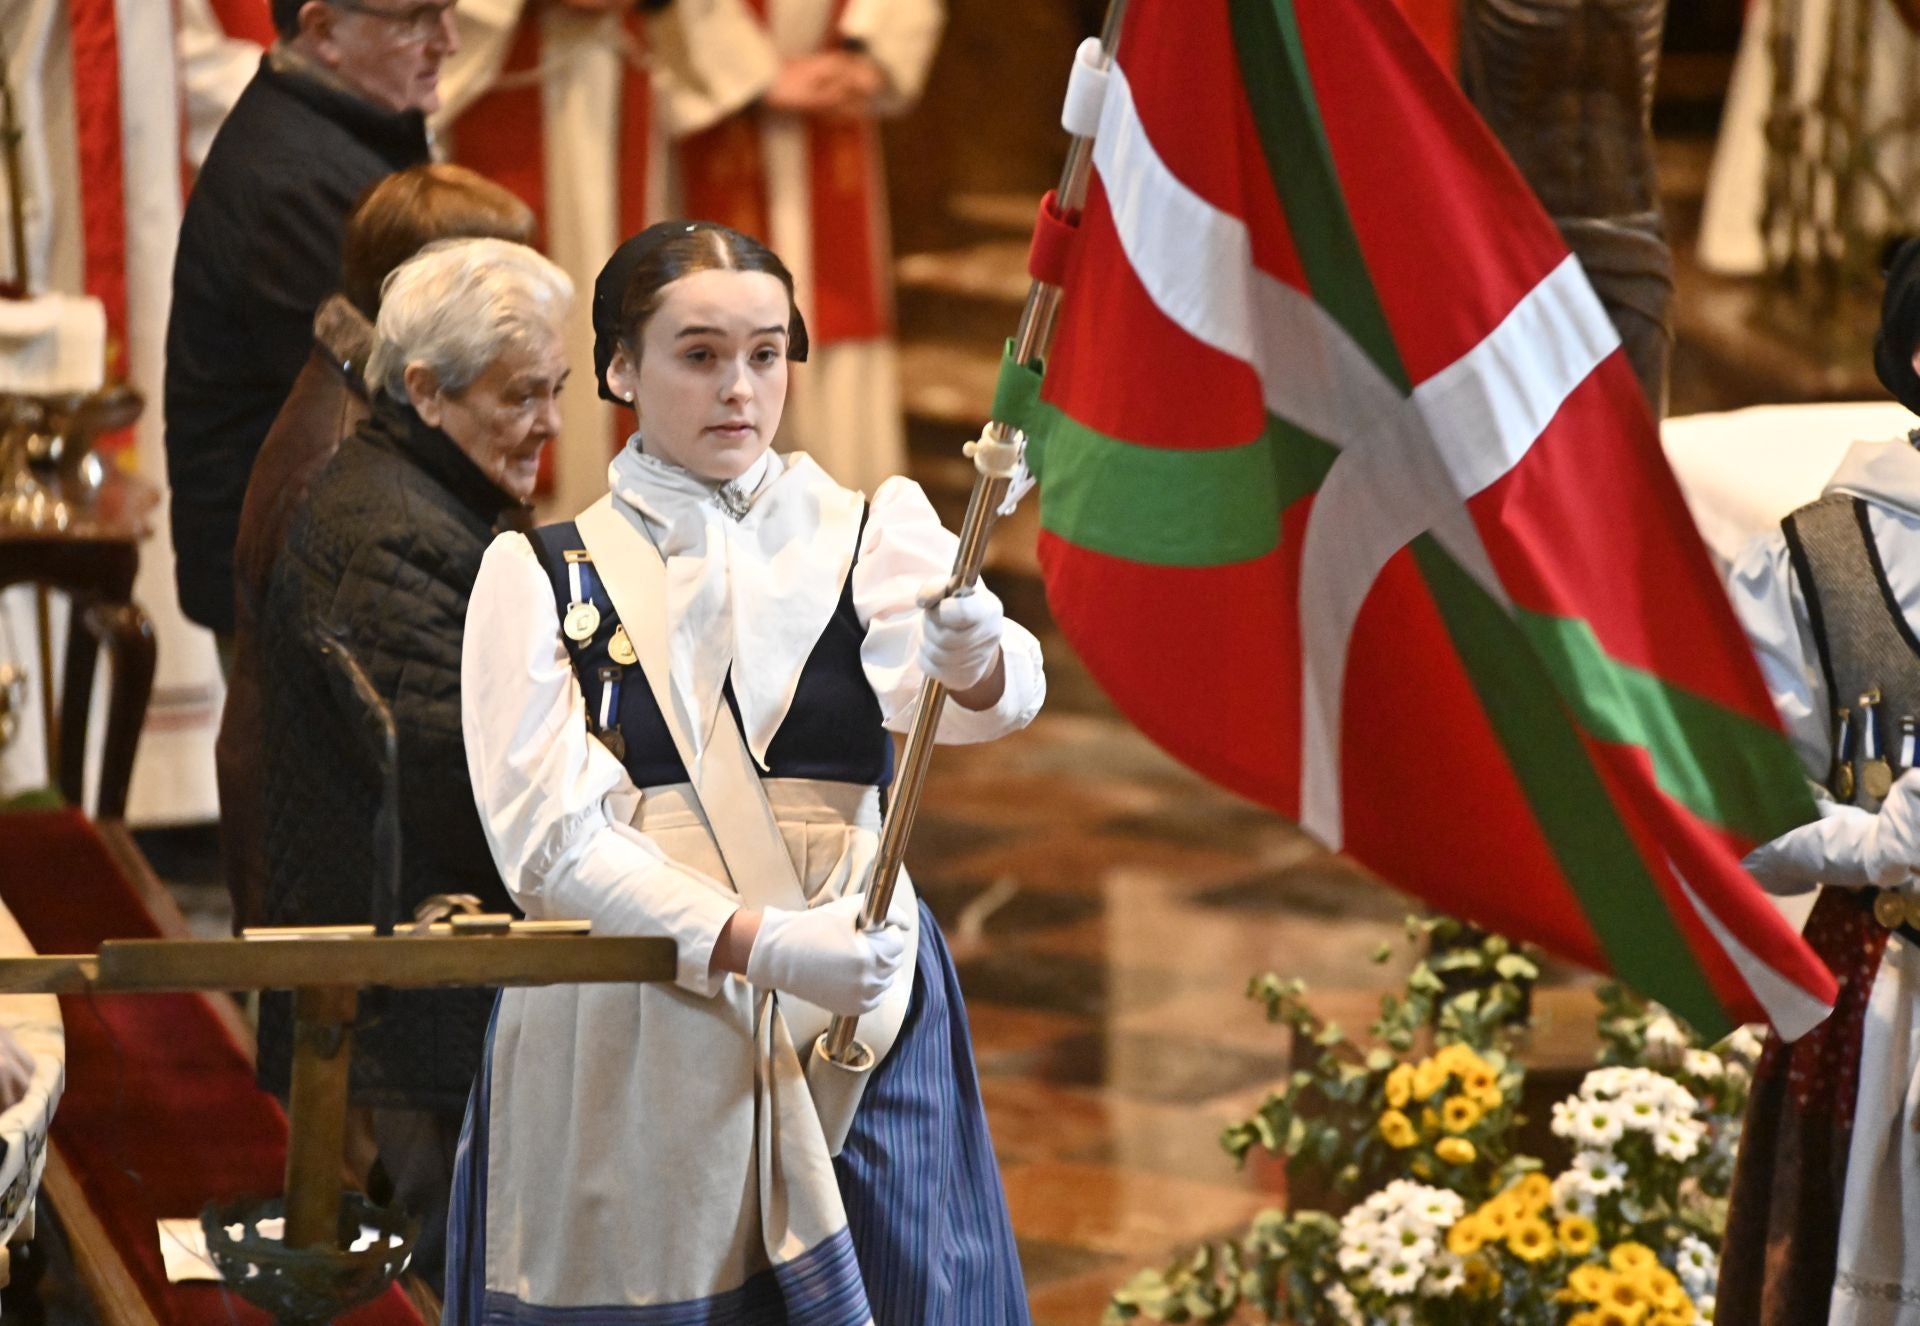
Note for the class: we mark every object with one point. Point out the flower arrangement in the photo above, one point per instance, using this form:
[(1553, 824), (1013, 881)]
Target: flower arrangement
[(1444, 1222)]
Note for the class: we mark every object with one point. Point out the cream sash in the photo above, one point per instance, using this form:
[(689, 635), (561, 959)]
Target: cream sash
[(734, 805)]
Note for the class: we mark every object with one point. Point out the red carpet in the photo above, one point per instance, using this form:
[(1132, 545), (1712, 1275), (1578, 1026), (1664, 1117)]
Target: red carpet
[(161, 1113)]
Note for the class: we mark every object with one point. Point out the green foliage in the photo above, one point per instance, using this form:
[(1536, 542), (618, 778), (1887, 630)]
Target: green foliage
[(1430, 1096)]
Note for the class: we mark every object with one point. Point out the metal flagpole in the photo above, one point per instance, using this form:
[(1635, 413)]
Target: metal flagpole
[(996, 457)]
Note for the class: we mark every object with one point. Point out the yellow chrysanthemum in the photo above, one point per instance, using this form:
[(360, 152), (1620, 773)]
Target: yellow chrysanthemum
[(1614, 1315), (1587, 1318), (1459, 1114), (1482, 1280), (1455, 1150), (1400, 1086), (1498, 1217), (1627, 1258), (1468, 1235), (1479, 1079), (1456, 1058), (1625, 1296), (1662, 1317), (1530, 1239), (1396, 1129), (1577, 1235), (1428, 1078), (1534, 1192), (1590, 1281), (1670, 1298)]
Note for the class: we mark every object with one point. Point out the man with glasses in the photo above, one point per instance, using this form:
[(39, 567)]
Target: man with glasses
[(338, 104)]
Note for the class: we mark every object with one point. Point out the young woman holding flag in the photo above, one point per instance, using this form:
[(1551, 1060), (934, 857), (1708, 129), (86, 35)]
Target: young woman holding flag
[(677, 710)]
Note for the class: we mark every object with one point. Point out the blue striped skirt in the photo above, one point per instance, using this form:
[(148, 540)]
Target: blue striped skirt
[(928, 1232)]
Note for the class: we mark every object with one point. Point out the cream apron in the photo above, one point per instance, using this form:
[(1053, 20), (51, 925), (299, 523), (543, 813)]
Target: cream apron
[(647, 1145)]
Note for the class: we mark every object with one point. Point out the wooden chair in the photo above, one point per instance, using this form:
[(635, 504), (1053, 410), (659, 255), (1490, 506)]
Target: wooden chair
[(97, 572)]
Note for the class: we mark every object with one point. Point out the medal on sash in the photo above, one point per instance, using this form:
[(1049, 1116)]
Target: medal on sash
[(1910, 909), (607, 724), (1841, 784), (1876, 775), (582, 619), (621, 648), (1889, 909)]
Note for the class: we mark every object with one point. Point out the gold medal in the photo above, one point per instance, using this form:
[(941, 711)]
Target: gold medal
[(621, 648), (614, 742), (1843, 783), (1910, 909), (583, 619), (1876, 779), (1889, 909)]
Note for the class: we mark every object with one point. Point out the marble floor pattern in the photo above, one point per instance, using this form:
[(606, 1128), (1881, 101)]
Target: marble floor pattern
[(1106, 909)]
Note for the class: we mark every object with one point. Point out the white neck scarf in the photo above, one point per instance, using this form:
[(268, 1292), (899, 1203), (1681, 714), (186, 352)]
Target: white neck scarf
[(759, 587)]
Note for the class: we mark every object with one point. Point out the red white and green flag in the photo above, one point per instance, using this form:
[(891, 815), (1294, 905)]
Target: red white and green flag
[(1351, 501)]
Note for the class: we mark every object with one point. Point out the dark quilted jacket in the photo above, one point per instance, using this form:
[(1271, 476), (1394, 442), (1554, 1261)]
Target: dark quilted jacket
[(259, 250), (385, 554)]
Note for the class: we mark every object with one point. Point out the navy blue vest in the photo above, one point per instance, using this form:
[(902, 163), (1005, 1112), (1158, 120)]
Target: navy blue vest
[(832, 731)]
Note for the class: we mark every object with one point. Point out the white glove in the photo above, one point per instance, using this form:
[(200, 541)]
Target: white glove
[(960, 638), (823, 956), (1847, 847)]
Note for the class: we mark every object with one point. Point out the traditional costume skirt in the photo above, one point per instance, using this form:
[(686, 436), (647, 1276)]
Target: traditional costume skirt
[(1877, 1272), (643, 1156), (1778, 1258)]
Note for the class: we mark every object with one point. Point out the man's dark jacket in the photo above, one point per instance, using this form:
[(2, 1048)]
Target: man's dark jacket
[(259, 251), (384, 557)]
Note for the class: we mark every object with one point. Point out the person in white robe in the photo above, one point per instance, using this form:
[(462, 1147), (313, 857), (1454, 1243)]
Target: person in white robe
[(773, 107), (677, 710)]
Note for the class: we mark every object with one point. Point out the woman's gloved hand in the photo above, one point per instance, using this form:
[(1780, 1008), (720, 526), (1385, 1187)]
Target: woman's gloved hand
[(960, 641), (1847, 847), (824, 957)]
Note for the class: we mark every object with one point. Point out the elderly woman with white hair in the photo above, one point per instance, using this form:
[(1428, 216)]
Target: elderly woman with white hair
[(466, 370)]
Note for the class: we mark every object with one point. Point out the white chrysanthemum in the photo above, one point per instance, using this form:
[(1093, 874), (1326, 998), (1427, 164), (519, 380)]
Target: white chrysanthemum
[(1405, 1246), (1434, 1209), (1401, 1314), (1565, 1112), (1745, 1044), (1665, 1037), (1444, 1277), (1698, 1267), (1599, 1124), (1703, 1064), (1572, 1196), (1346, 1305), (1679, 1140), (1639, 1112), (1355, 1257), (1704, 1307), (1396, 1277), (1601, 1172)]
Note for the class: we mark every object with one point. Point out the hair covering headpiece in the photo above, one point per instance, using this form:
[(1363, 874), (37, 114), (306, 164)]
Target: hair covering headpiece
[(610, 292)]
